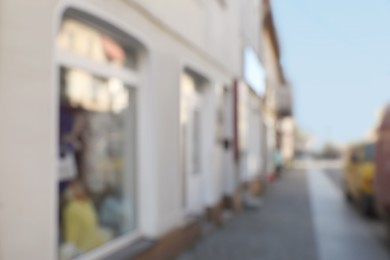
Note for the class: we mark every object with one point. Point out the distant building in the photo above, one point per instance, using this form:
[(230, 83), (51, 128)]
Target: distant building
[(278, 102)]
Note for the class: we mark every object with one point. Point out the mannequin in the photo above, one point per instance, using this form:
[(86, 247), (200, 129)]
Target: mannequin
[(81, 228)]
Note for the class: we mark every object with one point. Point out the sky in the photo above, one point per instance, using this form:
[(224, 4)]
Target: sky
[(336, 54)]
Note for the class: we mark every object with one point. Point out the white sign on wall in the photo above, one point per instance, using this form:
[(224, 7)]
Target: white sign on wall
[(254, 73)]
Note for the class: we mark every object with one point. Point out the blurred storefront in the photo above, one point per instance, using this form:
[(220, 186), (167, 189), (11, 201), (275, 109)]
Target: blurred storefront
[(126, 123)]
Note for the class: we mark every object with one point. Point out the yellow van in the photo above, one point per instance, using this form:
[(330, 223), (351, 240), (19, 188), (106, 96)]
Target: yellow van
[(359, 173)]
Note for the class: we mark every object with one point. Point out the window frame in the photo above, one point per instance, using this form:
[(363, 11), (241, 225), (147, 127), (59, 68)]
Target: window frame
[(131, 79)]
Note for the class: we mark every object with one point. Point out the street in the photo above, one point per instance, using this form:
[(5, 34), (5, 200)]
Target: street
[(304, 217)]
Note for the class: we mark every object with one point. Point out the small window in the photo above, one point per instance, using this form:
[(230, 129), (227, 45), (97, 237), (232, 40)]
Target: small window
[(369, 153), (356, 155), (86, 41)]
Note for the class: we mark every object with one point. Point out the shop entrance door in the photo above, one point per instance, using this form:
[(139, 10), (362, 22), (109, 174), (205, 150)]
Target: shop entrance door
[(191, 145)]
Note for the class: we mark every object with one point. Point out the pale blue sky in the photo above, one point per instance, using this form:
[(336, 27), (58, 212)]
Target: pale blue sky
[(336, 53)]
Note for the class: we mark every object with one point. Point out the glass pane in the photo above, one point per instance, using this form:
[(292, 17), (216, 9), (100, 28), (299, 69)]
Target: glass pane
[(97, 161), (196, 142), (370, 152), (88, 42)]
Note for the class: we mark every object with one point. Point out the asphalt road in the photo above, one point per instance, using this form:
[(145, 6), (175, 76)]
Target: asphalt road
[(377, 227)]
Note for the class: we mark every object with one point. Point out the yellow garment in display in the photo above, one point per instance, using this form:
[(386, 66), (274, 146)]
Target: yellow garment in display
[(80, 225)]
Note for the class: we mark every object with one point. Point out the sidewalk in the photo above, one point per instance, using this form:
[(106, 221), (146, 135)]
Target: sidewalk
[(281, 229)]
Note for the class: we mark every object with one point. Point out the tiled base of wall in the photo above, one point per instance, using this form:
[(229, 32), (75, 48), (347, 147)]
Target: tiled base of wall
[(256, 187), (214, 214), (233, 203), (172, 244)]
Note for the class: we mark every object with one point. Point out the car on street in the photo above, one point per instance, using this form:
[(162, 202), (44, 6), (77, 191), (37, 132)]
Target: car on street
[(359, 172)]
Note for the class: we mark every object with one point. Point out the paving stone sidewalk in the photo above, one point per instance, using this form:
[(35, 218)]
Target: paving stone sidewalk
[(281, 229)]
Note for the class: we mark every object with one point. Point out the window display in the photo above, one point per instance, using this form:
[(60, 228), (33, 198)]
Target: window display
[(85, 41), (96, 178), (96, 150)]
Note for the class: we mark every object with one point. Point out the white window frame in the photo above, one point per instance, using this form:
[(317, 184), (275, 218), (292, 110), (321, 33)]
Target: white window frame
[(99, 69), (130, 78)]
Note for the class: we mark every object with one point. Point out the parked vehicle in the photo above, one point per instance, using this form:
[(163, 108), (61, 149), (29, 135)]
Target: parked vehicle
[(382, 180), (359, 174)]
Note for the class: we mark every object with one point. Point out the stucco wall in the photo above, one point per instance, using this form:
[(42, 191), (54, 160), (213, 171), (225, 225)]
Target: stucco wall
[(28, 108), (206, 24)]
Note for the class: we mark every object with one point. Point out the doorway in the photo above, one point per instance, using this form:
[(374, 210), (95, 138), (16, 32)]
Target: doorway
[(192, 124)]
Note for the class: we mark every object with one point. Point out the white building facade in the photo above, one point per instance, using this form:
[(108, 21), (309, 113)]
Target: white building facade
[(122, 107)]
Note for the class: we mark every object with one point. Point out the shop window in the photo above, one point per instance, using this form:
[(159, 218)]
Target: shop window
[(97, 133), (83, 40)]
